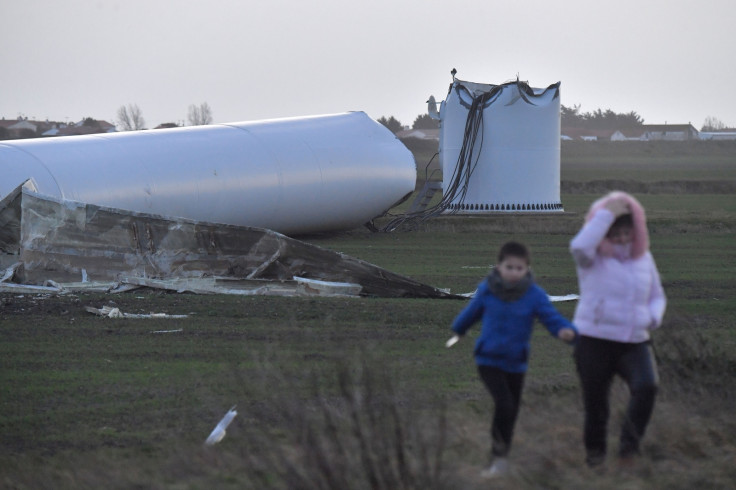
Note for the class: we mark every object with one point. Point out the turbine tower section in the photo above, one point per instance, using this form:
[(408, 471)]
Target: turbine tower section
[(500, 148)]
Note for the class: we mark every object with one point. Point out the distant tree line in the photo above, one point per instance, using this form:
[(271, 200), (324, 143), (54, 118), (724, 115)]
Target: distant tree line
[(127, 118), (570, 117), (713, 124), (130, 117), (422, 121)]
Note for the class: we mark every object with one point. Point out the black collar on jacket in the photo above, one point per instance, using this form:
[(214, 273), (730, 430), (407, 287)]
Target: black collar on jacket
[(508, 292)]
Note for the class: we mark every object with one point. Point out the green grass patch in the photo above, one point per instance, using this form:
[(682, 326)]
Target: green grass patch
[(360, 392)]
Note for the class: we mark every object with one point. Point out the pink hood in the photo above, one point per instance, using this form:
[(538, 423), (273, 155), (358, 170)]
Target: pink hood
[(640, 242)]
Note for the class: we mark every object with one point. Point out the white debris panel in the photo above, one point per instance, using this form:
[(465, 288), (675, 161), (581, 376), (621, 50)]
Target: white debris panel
[(49, 241), (293, 175)]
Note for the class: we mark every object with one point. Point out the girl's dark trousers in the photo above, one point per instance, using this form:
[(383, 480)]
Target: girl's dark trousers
[(597, 362), (505, 388)]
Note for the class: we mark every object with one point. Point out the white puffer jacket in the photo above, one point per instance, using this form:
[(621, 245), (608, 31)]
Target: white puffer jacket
[(621, 296)]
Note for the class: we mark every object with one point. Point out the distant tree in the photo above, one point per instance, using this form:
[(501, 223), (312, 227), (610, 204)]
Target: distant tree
[(713, 124), (598, 119), (91, 123), (630, 119), (423, 121), (200, 115), (130, 118), (570, 116), (391, 123)]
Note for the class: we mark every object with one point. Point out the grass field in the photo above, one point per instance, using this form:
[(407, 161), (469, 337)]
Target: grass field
[(360, 392), (637, 161)]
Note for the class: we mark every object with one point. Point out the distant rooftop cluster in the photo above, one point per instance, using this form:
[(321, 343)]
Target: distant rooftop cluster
[(26, 128), (644, 132)]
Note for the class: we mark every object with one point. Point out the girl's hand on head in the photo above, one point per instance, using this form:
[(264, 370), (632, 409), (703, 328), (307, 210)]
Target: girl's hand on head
[(618, 206)]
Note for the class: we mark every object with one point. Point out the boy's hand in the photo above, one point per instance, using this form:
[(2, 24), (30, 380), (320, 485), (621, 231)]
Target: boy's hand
[(566, 334), (452, 341)]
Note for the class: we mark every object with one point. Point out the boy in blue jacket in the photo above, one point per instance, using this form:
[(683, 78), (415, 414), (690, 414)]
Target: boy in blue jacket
[(507, 302)]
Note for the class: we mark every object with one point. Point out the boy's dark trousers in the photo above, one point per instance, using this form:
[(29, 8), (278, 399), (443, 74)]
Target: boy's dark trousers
[(505, 388), (597, 362)]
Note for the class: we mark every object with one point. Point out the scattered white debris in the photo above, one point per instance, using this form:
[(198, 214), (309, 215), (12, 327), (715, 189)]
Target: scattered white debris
[(51, 286), (219, 431), (10, 272), (112, 312), (10, 287), (169, 331)]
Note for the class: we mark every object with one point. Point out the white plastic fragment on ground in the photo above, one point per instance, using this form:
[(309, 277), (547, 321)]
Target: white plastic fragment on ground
[(112, 312), (219, 431)]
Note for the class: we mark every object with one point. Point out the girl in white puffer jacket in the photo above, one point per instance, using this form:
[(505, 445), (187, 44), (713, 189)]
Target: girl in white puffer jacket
[(621, 301)]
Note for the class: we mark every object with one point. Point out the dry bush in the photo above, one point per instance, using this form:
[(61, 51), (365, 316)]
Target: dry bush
[(359, 432)]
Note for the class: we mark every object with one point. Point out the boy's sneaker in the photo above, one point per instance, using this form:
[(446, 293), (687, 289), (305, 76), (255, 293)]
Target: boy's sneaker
[(500, 467)]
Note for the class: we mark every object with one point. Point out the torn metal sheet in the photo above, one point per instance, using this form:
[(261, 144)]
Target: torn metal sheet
[(299, 286), (92, 287), (213, 285), (10, 287), (10, 272), (63, 240)]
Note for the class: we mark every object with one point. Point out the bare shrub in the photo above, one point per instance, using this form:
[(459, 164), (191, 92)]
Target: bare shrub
[(364, 433)]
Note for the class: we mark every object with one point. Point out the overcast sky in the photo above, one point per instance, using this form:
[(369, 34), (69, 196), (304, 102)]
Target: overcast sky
[(670, 61)]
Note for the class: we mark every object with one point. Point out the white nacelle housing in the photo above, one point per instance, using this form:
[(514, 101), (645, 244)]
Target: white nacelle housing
[(293, 175)]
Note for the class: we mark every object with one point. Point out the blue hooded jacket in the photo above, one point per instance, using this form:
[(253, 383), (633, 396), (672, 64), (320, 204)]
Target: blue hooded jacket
[(507, 326)]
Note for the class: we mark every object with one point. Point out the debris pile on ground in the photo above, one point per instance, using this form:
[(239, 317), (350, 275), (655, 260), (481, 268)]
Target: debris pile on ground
[(51, 244)]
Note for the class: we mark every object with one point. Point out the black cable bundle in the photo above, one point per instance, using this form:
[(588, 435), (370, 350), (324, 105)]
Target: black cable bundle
[(466, 162)]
